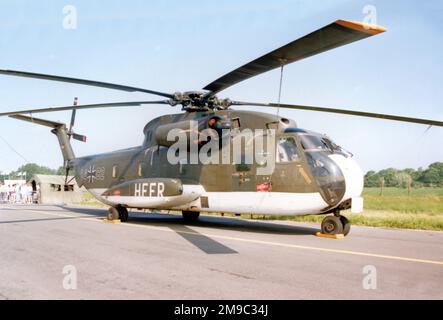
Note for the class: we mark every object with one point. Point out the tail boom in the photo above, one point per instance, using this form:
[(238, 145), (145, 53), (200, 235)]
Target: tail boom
[(60, 130)]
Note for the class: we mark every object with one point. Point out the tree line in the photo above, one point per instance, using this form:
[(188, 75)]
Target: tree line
[(26, 172), (430, 177)]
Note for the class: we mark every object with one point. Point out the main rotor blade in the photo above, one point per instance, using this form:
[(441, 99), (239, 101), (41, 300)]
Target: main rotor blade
[(332, 36), (344, 111), (87, 106), (82, 82)]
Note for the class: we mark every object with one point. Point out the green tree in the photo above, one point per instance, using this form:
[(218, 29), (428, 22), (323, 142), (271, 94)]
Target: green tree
[(403, 179), (61, 171), (391, 177), (31, 169), (372, 179)]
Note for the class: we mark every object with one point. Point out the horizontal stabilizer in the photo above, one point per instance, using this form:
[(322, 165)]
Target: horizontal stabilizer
[(43, 122), (58, 128)]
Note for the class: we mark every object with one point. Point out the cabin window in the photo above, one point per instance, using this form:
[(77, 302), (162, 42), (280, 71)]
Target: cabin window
[(236, 123), (287, 150), (140, 170), (115, 171), (56, 187)]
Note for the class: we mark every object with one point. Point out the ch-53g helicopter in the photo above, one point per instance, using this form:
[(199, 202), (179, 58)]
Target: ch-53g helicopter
[(310, 174)]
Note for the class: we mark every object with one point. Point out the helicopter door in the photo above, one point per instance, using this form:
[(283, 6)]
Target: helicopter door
[(289, 174), (243, 177)]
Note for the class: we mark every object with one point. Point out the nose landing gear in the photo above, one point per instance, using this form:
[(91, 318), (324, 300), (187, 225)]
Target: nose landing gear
[(336, 224)]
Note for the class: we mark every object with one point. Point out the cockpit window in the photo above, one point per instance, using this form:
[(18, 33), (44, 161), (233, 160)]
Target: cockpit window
[(314, 143), (321, 143), (287, 150), (337, 149)]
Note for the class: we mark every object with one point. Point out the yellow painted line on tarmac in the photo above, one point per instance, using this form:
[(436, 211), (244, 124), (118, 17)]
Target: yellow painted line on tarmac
[(271, 243)]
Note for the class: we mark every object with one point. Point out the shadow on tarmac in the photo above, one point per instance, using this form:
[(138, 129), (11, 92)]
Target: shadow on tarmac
[(182, 228)]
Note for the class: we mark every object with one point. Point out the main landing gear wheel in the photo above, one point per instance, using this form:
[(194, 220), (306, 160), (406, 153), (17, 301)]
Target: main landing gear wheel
[(123, 214), (346, 225), (118, 213), (336, 224), (113, 214), (190, 216)]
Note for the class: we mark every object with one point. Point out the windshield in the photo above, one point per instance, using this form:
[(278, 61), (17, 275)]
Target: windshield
[(328, 176), (321, 143), (310, 142)]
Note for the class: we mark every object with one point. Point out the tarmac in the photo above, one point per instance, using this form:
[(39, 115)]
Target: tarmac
[(65, 252)]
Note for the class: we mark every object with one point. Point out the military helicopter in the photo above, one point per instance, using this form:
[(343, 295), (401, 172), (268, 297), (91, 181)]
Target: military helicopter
[(311, 174)]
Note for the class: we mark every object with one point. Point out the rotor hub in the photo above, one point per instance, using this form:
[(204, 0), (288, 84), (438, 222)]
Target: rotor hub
[(199, 101)]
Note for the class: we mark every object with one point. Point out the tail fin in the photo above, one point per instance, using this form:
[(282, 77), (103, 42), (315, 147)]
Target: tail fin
[(60, 130)]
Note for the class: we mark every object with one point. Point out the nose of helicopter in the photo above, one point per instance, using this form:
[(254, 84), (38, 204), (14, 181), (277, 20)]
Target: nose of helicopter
[(354, 178)]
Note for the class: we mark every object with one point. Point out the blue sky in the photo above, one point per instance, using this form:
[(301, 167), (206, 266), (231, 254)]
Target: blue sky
[(183, 45)]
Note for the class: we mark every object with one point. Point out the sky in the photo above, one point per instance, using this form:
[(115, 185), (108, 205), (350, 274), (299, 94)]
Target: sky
[(176, 45)]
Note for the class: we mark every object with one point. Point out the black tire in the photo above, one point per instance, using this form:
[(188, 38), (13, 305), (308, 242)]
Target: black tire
[(346, 225), (190, 216), (113, 214), (332, 225), (123, 214)]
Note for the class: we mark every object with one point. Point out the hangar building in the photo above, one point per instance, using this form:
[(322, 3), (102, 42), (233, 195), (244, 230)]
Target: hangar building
[(53, 190)]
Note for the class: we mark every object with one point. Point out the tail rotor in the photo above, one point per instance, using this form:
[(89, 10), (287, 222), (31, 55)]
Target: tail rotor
[(72, 134)]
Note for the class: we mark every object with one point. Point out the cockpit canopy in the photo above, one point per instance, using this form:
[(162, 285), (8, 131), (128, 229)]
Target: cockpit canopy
[(311, 141)]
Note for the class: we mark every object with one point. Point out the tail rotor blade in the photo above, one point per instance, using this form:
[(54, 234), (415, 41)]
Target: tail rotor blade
[(78, 137), (74, 112)]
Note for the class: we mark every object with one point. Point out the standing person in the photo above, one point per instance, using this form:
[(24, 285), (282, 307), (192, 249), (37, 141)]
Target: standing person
[(30, 193), (24, 193), (17, 193), (11, 193), (38, 194), (3, 193)]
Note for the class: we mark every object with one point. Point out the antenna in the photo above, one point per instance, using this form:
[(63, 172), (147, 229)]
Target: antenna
[(282, 69)]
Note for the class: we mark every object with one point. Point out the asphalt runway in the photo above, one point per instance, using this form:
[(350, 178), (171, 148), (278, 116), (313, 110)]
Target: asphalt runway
[(160, 257)]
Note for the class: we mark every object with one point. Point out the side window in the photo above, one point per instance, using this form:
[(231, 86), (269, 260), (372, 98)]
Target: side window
[(287, 150), (115, 171), (236, 123)]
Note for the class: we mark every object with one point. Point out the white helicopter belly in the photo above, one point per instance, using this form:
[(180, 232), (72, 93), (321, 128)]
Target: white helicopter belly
[(272, 203)]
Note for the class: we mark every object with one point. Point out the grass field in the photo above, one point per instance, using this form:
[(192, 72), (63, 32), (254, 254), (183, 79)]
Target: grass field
[(397, 208), (423, 200), (421, 209)]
